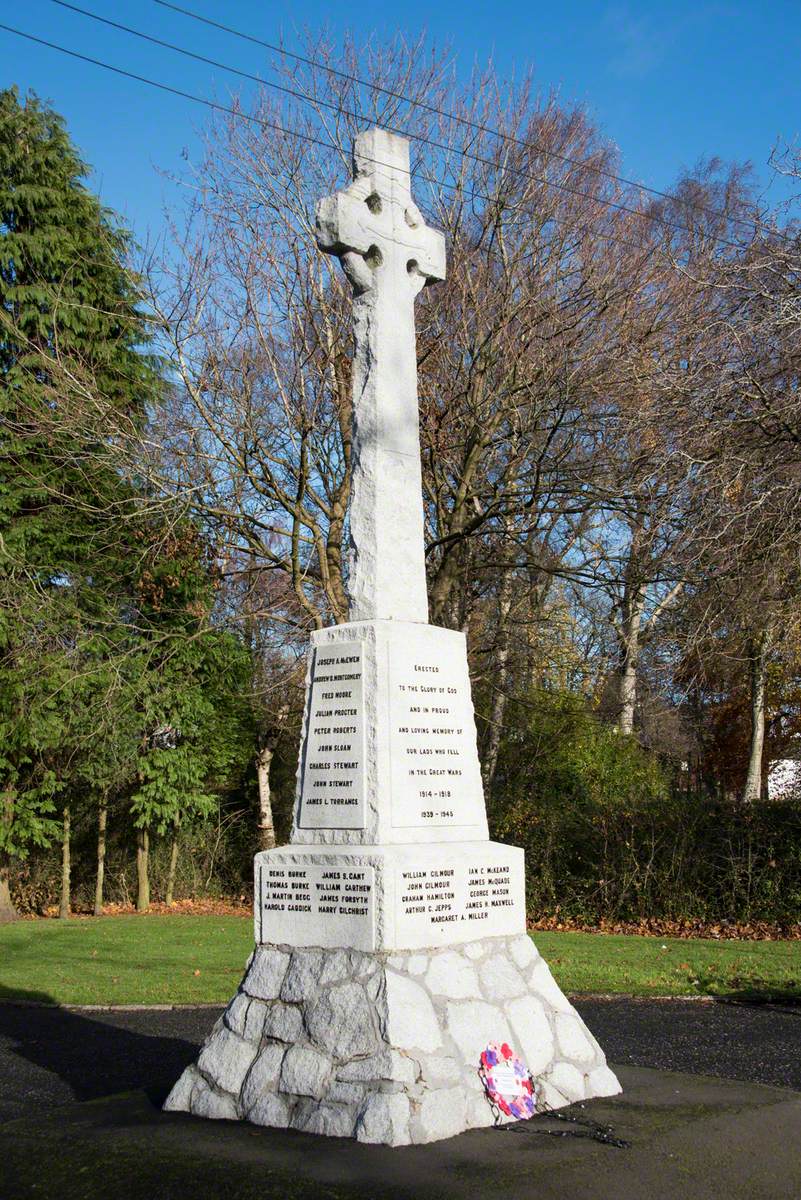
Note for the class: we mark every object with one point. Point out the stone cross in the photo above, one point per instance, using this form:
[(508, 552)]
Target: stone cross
[(391, 942), (388, 253)]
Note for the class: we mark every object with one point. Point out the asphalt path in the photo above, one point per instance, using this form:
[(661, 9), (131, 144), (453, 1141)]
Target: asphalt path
[(755, 1043), (51, 1056)]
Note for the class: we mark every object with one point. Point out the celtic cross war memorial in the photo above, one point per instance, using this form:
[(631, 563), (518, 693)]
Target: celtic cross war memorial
[(390, 932)]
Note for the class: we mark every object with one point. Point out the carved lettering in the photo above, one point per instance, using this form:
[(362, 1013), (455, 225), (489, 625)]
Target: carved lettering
[(332, 785), (314, 899)]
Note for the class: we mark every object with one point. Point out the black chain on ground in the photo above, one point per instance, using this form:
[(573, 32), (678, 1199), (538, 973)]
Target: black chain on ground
[(587, 1128)]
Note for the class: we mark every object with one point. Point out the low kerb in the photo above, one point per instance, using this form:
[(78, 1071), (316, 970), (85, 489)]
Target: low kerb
[(391, 942)]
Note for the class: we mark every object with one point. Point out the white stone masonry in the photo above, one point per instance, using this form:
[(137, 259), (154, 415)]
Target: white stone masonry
[(385, 1047), (388, 746)]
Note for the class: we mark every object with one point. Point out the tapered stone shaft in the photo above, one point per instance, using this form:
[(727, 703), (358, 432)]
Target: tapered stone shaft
[(388, 254)]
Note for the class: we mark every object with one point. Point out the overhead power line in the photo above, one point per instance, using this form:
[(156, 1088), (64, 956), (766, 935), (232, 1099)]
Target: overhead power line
[(164, 87), (306, 98), (477, 126), (214, 104), (356, 116), (310, 139)]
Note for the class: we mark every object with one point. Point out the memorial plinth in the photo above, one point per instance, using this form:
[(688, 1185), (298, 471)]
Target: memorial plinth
[(391, 942)]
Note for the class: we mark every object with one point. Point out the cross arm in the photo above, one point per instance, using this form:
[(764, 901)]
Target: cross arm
[(375, 216)]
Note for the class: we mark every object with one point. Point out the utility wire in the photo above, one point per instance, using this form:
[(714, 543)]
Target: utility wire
[(262, 122), (449, 116), (304, 96), (309, 138), (164, 87), (214, 104)]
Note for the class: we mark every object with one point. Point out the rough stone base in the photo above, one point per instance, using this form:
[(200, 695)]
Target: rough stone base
[(385, 1047)]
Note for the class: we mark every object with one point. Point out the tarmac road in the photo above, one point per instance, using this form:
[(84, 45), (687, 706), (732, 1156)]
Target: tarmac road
[(687, 1135), (51, 1056), (755, 1043)]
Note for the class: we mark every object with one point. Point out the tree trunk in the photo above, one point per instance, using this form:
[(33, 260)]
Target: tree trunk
[(64, 906), (268, 741), (500, 682), (629, 658), (102, 817), (266, 828), (142, 877), (753, 782), (173, 867), (7, 910)]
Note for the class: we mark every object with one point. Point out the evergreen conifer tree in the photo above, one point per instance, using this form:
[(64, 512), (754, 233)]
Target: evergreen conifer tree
[(69, 309)]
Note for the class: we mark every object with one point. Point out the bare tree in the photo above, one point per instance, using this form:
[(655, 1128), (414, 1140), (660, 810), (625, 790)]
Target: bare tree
[(603, 381), (255, 435), (738, 414)]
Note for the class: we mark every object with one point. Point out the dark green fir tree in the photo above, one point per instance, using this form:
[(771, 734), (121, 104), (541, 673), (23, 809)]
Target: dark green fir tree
[(72, 333)]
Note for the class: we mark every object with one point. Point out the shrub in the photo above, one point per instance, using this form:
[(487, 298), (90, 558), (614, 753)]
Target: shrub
[(608, 834)]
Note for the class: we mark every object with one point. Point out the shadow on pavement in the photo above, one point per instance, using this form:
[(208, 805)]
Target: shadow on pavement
[(90, 1053), (788, 1001), (691, 1138)]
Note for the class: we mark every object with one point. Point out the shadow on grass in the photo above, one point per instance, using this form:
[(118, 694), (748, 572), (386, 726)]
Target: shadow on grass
[(95, 1055)]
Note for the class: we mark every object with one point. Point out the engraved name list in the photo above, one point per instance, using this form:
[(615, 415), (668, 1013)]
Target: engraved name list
[(320, 904), (332, 789), (469, 898)]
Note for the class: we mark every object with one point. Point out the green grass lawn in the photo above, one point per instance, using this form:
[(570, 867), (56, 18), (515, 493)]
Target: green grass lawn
[(125, 960), (199, 960), (648, 966)]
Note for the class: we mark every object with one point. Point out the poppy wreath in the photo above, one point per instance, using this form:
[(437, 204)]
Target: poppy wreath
[(517, 1101)]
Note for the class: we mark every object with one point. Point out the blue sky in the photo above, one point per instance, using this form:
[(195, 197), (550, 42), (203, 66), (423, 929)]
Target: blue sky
[(668, 82)]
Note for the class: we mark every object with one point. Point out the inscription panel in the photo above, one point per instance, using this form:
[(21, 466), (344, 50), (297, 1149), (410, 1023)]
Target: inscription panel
[(317, 905), (434, 763), (332, 787), (458, 900)]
